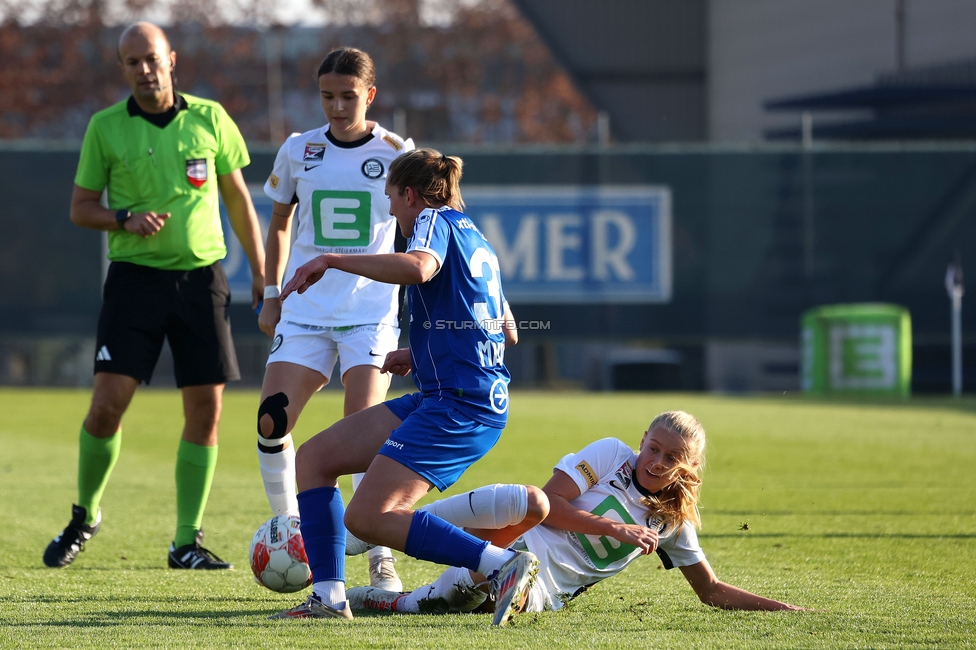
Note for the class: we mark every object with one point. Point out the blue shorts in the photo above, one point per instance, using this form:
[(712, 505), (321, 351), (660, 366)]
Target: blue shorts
[(435, 439)]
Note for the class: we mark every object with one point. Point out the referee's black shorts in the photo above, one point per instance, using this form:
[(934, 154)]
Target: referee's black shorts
[(141, 306)]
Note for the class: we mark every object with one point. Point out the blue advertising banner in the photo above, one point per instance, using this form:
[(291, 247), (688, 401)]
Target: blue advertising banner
[(578, 244), (555, 244)]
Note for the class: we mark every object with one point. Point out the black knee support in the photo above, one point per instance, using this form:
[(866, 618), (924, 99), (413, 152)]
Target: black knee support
[(274, 407)]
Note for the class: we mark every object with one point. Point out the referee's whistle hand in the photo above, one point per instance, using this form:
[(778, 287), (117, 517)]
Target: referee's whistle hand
[(146, 224)]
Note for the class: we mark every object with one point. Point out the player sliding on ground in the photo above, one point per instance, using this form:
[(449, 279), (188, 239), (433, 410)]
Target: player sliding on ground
[(460, 326), (609, 506)]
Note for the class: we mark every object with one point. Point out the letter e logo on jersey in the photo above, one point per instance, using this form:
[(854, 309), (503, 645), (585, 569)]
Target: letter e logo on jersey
[(499, 396), (196, 171), (373, 169), (341, 218)]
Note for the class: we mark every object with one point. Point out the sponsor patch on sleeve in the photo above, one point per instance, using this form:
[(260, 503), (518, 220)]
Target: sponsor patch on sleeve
[(273, 181), (392, 142), (587, 472)]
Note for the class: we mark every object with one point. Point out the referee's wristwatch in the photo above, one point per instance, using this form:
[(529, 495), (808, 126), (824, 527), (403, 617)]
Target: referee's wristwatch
[(121, 217)]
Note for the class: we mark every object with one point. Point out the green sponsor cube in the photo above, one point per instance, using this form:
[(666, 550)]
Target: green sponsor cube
[(859, 348)]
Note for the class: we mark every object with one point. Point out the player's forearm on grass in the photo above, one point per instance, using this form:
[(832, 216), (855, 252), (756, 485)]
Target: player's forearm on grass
[(714, 592), (725, 596), (392, 268)]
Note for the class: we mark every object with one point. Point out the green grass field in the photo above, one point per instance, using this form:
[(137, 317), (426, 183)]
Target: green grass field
[(865, 512)]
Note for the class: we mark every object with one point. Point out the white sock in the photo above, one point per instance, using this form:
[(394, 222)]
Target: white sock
[(492, 559), (377, 553), (356, 480), (278, 474), (331, 592), (356, 546), (493, 506), (443, 587)]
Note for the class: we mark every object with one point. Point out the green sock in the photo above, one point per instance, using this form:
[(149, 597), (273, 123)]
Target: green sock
[(96, 458), (194, 474)]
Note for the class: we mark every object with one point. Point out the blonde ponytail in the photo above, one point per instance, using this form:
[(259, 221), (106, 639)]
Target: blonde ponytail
[(435, 177)]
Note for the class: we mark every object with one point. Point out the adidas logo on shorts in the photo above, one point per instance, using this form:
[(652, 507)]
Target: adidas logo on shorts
[(103, 354)]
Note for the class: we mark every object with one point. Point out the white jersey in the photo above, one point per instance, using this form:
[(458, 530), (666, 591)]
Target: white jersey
[(571, 562), (342, 208)]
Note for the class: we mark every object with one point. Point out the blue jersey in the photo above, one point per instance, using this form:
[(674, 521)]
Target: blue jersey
[(457, 343)]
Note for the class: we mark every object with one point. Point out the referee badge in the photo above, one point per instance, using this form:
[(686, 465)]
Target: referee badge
[(196, 171)]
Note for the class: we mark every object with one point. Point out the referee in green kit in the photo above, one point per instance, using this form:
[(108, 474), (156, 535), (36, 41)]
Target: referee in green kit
[(162, 157)]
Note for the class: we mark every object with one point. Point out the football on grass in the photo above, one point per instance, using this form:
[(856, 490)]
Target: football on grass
[(278, 555)]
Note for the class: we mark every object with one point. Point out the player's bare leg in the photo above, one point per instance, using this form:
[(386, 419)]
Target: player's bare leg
[(196, 462), (348, 446), (286, 390), (99, 445), (366, 386)]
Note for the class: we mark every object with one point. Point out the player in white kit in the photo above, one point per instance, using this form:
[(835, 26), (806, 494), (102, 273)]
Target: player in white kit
[(609, 505), (337, 176)]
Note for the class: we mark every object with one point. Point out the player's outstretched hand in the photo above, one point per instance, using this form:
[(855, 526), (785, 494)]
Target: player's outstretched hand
[(145, 224), (397, 362), (642, 537), (305, 276), (797, 608)]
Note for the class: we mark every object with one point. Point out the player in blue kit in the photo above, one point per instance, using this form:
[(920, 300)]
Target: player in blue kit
[(460, 325)]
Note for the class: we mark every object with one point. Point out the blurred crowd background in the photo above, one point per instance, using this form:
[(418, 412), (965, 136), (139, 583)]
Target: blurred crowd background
[(482, 75)]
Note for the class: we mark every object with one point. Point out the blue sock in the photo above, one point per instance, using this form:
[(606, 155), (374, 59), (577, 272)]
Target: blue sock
[(433, 539), (323, 532)]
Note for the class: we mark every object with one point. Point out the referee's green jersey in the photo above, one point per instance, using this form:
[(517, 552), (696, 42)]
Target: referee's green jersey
[(171, 169)]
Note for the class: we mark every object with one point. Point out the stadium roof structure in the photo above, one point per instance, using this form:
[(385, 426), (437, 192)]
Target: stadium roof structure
[(931, 104), (642, 63)]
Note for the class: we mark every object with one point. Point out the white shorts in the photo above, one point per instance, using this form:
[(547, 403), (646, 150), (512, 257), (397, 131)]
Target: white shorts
[(317, 347)]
